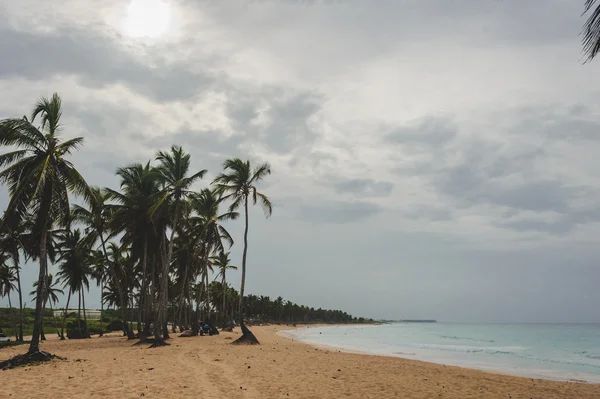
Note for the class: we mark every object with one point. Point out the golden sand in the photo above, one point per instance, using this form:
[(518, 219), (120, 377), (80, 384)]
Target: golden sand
[(209, 367)]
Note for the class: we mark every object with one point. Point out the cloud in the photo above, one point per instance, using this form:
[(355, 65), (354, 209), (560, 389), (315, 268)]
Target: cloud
[(338, 212), (436, 138), (363, 187), (97, 60)]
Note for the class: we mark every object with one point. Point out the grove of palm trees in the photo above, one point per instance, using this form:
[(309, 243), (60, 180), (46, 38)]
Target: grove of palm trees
[(152, 245)]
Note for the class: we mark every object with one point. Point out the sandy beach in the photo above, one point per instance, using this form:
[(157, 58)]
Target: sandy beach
[(209, 367)]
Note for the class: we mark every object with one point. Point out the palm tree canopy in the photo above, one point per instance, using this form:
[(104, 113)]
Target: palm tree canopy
[(222, 263), (591, 29), (51, 290), (238, 182), (7, 276), (37, 173), (75, 260)]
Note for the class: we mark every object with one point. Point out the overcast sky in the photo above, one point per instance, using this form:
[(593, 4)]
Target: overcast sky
[(431, 158)]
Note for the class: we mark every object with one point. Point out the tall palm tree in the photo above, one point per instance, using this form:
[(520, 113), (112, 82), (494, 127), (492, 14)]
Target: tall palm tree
[(208, 228), (591, 29), (222, 263), (131, 216), (50, 296), (238, 183), (39, 178), (174, 168), (7, 279)]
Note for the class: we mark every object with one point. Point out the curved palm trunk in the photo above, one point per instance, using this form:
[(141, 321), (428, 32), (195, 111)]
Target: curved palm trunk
[(85, 326), (39, 308), (247, 336), (241, 305), (62, 329), (16, 262)]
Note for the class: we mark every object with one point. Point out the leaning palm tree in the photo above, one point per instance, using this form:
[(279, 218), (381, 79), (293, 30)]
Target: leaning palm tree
[(39, 178), (591, 29), (238, 183), (174, 168), (222, 263)]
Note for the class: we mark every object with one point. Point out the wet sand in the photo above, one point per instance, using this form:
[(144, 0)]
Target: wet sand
[(209, 367)]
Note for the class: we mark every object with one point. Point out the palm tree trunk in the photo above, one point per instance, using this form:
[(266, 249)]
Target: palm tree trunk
[(183, 286), (101, 306), (144, 288), (14, 319), (207, 291), (62, 330), (223, 294), (119, 288), (54, 318), (34, 347), (79, 314), (164, 287), (241, 305), (16, 262), (85, 325), (42, 333)]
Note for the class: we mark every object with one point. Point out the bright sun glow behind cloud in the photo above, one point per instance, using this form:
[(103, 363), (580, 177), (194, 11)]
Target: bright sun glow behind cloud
[(147, 18)]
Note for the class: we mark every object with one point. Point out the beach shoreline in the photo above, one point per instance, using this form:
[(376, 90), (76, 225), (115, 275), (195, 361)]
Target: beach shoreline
[(280, 367), (289, 334)]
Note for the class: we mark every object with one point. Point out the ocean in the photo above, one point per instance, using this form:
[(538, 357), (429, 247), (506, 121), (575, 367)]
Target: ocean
[(549, 351)]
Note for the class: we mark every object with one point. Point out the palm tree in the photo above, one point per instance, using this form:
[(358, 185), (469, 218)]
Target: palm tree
[(174, 167), (96, 220), (10, 243), (222, 262), (74, 269), (7, 278), (238, 183), (208, 228), (131, 217), (591, 29), (100, 272), (39, 178), (50, 296)]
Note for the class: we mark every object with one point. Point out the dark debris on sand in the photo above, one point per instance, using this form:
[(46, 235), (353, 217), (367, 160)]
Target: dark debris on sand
[(28, 359)]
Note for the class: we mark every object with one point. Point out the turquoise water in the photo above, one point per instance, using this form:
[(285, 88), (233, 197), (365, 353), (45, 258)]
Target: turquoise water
[(551, 351)]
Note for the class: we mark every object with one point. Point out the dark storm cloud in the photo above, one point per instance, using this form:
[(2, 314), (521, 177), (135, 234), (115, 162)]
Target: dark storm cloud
[(98, 61)]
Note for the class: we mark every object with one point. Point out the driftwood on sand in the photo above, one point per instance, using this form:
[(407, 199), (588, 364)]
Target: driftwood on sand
[(247, 337)]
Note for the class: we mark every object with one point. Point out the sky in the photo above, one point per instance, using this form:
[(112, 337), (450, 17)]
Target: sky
[(430, 159)]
